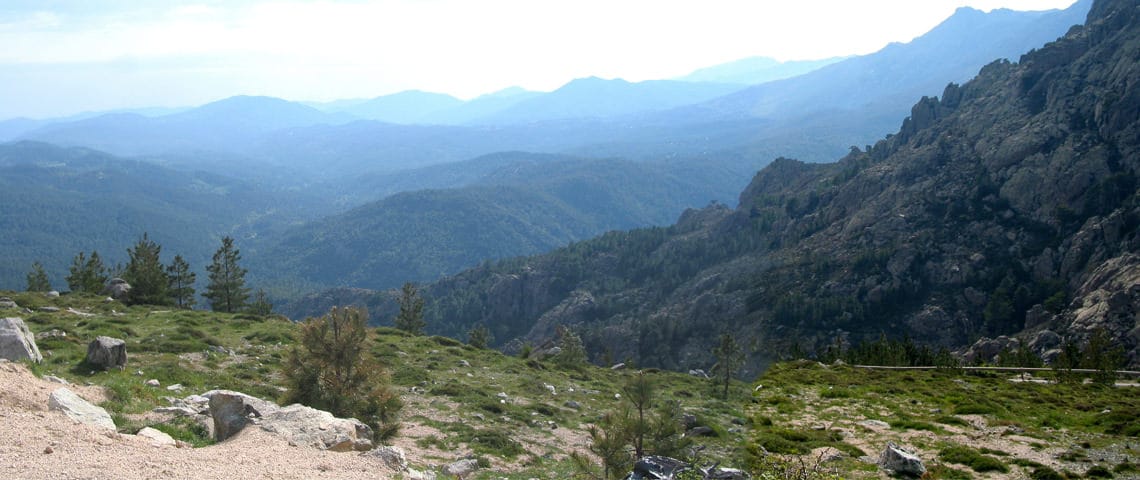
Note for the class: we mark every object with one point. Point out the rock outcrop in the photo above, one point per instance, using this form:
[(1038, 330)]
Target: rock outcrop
[(901, 462), (17, 342), (299, 425), (107, 353), (78, 409), (117, 289)]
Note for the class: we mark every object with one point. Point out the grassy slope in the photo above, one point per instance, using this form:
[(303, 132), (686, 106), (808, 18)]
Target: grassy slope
[(963, 425), (451, 410)]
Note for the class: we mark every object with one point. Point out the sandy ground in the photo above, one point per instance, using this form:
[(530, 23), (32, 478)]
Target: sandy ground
[(36, 443)]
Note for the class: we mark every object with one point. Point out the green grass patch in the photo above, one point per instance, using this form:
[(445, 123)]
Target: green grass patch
[(976, 460)]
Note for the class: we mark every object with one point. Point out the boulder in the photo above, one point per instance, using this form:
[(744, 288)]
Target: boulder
[(462, 468), (393, 457), (231, 411), (157, 438), (107, 352), (117, 289), (6, 302), (17, 342), (302, 425), (655, 467), (78, 409), (901, 462)]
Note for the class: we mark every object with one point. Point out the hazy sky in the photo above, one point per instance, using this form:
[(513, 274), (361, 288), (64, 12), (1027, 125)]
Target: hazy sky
[(65, 56)]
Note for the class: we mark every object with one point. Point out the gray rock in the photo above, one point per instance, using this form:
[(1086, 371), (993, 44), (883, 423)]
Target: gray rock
[(231, 411), (17, 342), (117, 289), (875, 424), (901, 462), (55, 379), (49, 309), (699, 432), (618, 366), (302, 425), (78, 409), (52, 294), (462, 468), (6, 302), (393, 457), (157, 438), (107, 352)]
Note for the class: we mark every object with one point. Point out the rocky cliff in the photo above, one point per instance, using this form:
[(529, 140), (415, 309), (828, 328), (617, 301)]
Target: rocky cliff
[(1006, 206)]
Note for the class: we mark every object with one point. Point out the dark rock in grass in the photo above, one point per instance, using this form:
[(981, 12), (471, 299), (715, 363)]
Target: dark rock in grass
[(901, 462), (106, 353)]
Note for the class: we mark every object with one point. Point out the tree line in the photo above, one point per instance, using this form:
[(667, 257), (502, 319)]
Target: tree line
[(155, 283)]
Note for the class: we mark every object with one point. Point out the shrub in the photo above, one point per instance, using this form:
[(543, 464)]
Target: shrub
[(330, 370)]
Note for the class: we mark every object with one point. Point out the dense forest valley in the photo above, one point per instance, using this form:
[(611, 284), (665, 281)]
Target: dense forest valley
[(930, 251)]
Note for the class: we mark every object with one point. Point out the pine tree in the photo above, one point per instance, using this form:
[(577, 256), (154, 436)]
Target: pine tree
[(261, 304), (729, 359), (226, 291), (479, 337), (331, 369), (38, 279), (87, 274), (146, 274), (573, 354), (181, 282), (411, 316)]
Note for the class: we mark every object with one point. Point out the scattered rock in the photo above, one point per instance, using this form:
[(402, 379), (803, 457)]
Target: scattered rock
[(54, 379), (393, 457), (106, 353), (655, 467), (700, 432), (78, 409), (618, 366), (52, 294), (573, 404), (177, 387), (550, 388), (462, 468), (901, 462), (117, 289), (157, 438), (17, 342), (698, 373), (153, 382), (48, 449), (875, 424), (6, 302), (464, 363), (302, 425), (231, 411), (49, 309), (53, 333), (502, 395)]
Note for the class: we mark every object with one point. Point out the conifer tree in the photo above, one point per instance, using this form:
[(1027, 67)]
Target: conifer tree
[(181, 282), (479, 337), (261, 304), (146, 274), (38, 279), (573, 353), (411, 316), (331, 369), (729, 359), (87, 274), (226, 291)]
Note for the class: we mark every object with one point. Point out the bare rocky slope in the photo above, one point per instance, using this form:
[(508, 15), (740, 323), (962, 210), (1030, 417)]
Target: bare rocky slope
[(1007, 206)]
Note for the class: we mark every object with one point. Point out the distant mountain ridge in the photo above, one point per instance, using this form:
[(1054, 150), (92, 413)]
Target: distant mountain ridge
[(756, 70)]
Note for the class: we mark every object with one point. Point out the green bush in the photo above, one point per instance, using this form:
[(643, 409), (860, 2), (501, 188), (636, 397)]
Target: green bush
[(972, 458)]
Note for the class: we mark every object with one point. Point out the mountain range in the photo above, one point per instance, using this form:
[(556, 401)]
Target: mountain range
[(1008, 205), (328, 199)]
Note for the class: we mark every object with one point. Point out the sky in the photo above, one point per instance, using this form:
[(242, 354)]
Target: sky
[(62, 57)]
